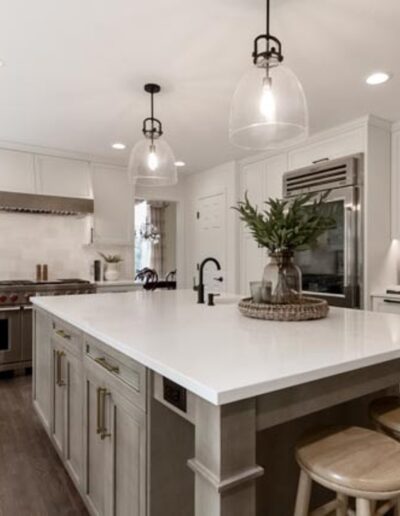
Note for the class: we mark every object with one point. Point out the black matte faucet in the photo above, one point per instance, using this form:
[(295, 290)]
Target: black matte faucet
[(200, 288)]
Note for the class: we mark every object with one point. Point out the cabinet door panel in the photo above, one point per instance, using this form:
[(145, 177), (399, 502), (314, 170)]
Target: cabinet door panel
[(17, 171), (113, 206), (74, 419), (349, 142), (42, 370), (96, 450), (128, 441), (63, 177), (58, 396)]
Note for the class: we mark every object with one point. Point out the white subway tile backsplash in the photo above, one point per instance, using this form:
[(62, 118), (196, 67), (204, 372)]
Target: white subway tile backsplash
[(28, 239)]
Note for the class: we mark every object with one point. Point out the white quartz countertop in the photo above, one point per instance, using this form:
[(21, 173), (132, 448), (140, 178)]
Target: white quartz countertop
[(220, 355)]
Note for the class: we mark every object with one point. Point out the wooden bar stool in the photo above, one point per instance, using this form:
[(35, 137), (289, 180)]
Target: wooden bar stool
[(353, 462), (385, 413)]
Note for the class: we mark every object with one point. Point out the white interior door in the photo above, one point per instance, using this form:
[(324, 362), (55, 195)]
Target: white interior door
[(210, 238)]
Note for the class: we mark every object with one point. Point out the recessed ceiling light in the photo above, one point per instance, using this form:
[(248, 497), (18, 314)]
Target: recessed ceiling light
[(377, 78), (180, 163), (2, 63), (118, 146)]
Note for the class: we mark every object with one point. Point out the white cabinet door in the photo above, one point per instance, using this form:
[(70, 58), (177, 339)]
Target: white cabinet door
[(251, 256), (96, 449), (127, 442), (113, 206), (63, 177), (275, 167), (17, 171), (73, 425), (349, 142), (58, 397), (42, 364), (261, 180), (115, 448)]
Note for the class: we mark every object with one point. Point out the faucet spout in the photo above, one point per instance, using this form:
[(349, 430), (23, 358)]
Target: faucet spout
[(200, 290)]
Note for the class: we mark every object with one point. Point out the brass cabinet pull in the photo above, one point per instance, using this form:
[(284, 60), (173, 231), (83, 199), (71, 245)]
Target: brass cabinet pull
[(99, 408), (101, 413), (104, 432), (103, 362), (61, 333), (59, 380)]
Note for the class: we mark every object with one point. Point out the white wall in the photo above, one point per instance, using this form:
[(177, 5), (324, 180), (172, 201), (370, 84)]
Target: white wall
[(30, 239), (222, 178)]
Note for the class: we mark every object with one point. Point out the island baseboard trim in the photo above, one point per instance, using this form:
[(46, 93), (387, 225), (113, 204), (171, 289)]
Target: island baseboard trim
[(228, 483)]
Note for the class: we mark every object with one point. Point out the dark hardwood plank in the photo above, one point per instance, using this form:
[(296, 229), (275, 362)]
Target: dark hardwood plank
[(33, 481)]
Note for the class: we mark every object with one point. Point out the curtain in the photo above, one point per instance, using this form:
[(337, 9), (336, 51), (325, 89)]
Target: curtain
[(157, 252)]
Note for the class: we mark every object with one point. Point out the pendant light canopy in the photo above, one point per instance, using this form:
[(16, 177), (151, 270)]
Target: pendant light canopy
[(269, 108), (152, 162)]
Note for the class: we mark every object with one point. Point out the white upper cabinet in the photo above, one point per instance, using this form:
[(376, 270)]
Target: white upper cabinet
[(17, 172), (63, 177), (113, 206), (343, 144), (275, 167), (261, 180)]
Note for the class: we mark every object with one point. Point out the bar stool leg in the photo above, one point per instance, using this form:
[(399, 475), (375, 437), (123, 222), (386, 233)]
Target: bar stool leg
[(343, 505), (397, 507), (363, 507), (303, 495)]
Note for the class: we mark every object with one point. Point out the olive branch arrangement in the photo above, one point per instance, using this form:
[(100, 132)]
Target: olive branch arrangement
[(287, 225)]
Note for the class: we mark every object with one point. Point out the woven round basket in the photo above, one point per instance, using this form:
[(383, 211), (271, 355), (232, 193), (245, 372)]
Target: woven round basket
[(306, 309)]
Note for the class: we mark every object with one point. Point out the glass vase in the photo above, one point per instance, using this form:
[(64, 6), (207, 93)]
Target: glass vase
[(281, 279)]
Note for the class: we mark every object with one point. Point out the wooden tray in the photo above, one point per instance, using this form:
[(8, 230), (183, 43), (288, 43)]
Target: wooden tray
[(306, 309)]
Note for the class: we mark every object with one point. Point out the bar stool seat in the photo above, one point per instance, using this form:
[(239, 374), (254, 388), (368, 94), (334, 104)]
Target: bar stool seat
[(385, 413), (353, 462)]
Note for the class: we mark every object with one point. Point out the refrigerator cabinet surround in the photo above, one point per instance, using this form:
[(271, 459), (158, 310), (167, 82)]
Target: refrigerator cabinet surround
[(333, 270)]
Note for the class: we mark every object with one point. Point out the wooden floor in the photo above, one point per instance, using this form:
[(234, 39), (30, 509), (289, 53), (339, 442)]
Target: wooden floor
[(33, 481)]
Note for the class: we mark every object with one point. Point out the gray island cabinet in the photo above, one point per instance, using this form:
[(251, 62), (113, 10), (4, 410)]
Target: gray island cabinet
[(161, 407)]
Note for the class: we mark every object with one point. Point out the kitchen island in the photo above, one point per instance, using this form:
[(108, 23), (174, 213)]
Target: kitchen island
[(135, 388)]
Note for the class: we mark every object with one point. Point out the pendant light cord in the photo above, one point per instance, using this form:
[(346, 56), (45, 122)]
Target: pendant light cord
[(152, 117), (268, 34)]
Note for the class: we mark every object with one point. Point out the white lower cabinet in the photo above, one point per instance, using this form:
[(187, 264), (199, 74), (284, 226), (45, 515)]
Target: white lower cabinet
[(42, 367), (67, 404), (95, 406), (115, 446)]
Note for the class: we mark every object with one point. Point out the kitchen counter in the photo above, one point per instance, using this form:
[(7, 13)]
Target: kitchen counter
[(242, 392), (218, 354)]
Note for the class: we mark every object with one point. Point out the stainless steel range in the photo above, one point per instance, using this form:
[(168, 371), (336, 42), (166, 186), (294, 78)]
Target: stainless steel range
[(16, 315)]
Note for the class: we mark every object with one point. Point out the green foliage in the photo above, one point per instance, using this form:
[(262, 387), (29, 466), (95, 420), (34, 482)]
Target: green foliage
[(111, 258), (287, 225)]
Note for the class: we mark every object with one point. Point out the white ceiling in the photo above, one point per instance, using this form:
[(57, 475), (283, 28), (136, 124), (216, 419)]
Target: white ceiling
[(75, 69)]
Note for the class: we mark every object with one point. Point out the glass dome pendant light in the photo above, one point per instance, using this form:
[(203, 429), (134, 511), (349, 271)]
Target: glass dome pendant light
[(152, 162), (269, 108)]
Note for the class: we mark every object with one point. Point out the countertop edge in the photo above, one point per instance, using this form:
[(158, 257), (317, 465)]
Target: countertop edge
[(229, 396)]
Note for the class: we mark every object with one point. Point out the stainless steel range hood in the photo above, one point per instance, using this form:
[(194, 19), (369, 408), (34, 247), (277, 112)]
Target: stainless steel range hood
[(33, 203)]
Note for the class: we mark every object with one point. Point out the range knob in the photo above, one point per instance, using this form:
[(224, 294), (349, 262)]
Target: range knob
[(3, 299), (14, 298)]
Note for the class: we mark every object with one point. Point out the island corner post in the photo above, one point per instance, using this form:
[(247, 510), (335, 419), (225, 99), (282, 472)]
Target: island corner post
[(225, 465), (225, 459)]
